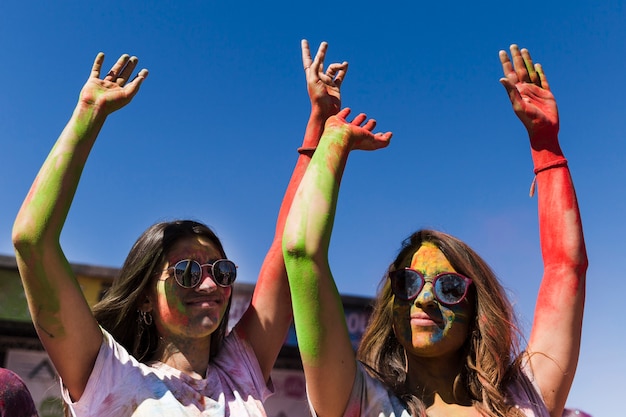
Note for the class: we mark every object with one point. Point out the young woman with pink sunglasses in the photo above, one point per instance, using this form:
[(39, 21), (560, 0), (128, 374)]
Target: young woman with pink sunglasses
[(441, 340)]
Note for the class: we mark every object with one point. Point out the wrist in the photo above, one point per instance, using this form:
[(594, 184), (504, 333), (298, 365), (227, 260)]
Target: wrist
[(339, 135), (86, 121), (560, 162), (322, 112), (89, 112), (545, 147)]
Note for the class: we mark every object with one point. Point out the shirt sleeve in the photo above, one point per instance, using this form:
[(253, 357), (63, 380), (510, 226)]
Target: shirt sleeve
[(240, 367)]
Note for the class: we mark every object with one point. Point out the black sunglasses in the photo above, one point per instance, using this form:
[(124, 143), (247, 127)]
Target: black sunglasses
[(188, 272), (449, 287)]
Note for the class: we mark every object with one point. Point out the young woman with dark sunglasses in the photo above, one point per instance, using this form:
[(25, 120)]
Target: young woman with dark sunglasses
[(442, 339), (156, 344)]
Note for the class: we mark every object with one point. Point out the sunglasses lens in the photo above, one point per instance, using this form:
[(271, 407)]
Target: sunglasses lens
[(187, 273), (450, 288), (406, 284), (224, 272)]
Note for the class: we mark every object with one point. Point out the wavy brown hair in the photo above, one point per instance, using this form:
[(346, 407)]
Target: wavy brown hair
[(491, 351), (118, 311)]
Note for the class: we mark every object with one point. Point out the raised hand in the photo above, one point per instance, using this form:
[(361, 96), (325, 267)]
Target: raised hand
[(361, 135), (323, 87), (530, 94), (115, 90)]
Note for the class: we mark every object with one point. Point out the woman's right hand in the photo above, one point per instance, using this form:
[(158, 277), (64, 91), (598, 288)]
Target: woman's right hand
[(114, 91), (360, 135)]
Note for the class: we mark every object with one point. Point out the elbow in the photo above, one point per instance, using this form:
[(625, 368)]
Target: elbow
[(579, 263), (21, 239), (582, 265), (294, 250), (25, 239)]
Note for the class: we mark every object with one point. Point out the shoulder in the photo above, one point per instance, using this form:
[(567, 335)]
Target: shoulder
[(370, 396), (523, 391)]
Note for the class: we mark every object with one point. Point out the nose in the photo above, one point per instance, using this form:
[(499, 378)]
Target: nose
[(426, 296), (207, 283)]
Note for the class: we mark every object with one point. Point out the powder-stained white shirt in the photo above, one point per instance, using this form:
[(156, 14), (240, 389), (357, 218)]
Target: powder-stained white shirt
[(370, 398), (120, 386)]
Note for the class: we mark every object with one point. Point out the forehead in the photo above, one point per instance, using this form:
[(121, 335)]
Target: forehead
[(429, 260), (196, 247)]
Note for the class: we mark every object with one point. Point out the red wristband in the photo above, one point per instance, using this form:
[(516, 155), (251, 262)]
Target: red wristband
[(561, 162), (303, 150)]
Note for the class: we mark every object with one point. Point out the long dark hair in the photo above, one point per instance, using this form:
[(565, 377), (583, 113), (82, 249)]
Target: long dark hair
[(491, 350), (118, 311)]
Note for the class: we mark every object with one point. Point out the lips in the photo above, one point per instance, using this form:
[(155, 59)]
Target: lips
[(205, 302), (424, 320)]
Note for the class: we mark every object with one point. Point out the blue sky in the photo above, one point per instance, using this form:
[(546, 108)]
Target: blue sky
[(212, 135)]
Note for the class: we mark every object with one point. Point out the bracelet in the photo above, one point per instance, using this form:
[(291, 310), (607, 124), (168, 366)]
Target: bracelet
[(308, 151), (561, 162)]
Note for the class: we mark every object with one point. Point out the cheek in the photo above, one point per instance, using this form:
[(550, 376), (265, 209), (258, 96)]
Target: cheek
[(457, 319), (402, 321), (171, 309)]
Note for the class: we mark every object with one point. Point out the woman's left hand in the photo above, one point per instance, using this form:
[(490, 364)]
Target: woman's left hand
[(530, 94)]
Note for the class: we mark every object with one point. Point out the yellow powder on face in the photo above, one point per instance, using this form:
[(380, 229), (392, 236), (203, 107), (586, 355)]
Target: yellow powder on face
[(430, 261)]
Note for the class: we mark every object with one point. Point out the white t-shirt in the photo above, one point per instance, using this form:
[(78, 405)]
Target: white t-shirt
[(120, 386), (371, 398)]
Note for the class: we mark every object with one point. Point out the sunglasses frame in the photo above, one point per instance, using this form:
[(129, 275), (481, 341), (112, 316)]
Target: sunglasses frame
[(433, 281), (212, 265)]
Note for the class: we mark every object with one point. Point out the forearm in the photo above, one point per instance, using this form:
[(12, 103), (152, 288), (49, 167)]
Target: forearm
[(323, 340), (560, 226), (273, 266), (266, 323), (310, 220), (307, 233), (315, 126), (45, 208), (557, 324)]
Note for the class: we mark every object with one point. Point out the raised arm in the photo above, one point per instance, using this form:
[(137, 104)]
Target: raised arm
[(327, 354), (60, 313), (267, 320), (555, 337)]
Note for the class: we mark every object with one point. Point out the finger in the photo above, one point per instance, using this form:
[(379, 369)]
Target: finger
[(307, 61), (117, 68), (337, 72), (344, 113), (514, 95), (325, 78), (370, 125), (543, 80), (134, 85), (507, 65), (359, 119), (383, 139), (519, 65), (341, 74), (317, 65), (332, 70), (97, 65), (530, 68), (127, 71)]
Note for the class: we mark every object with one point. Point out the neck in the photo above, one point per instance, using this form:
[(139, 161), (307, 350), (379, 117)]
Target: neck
[(188, 356), (437, 379)]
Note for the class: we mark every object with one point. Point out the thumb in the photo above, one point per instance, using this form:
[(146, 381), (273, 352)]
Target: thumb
[(512, 92)]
